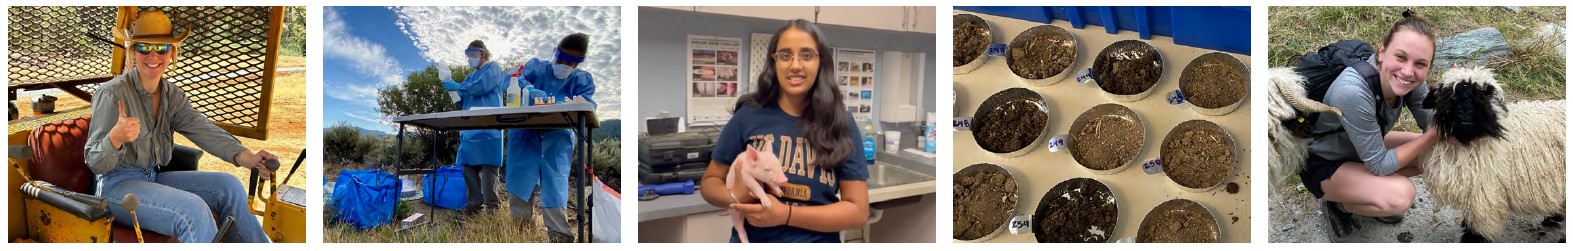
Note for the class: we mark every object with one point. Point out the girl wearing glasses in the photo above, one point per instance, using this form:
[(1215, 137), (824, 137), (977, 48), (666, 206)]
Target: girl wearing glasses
[(797, 109), (131, 135)]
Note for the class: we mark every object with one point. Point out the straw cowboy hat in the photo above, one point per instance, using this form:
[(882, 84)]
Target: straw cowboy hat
[(151, 27)]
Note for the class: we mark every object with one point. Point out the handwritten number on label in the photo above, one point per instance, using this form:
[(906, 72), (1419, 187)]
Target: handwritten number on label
[(1152, 166), (997, 50), (1176, 97), (1085, 76)]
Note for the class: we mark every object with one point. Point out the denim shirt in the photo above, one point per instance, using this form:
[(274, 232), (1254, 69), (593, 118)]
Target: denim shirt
[(155, 144)]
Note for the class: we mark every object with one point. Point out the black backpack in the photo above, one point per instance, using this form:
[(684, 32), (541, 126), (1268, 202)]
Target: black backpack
[(1324, 65)]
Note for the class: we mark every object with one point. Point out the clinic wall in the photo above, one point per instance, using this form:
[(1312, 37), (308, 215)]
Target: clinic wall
[(663, 37)]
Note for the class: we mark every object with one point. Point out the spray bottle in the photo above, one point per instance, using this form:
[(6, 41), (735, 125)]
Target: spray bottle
[(514, 93)]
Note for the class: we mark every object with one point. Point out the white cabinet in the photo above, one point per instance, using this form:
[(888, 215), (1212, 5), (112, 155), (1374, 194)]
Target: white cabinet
[(924, 19), (777, 13), (873, 17), (687, 8), (895, 18), (708, 227)]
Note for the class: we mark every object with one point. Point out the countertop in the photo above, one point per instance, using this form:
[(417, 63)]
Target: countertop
[(682, 205)]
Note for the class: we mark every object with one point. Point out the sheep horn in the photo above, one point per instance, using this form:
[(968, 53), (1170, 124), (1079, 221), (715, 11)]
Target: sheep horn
[(1306, 105)]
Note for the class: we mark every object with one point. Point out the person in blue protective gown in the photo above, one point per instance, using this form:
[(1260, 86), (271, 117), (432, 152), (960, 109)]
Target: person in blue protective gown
[(543, 157), (480, 151)]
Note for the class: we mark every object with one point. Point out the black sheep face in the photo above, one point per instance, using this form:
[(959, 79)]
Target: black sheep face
[(1468, 106)]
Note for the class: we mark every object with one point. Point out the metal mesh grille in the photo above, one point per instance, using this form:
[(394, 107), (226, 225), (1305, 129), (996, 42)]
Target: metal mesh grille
[(221, 65), (50, 44)]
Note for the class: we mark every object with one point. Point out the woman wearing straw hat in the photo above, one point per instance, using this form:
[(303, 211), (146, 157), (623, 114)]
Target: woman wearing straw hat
[(135, 116)]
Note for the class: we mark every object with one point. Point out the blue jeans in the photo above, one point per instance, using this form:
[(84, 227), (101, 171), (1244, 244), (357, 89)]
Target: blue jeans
[(182, 204)]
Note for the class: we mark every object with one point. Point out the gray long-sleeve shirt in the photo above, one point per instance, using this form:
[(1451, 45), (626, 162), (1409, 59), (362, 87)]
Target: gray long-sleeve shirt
[(156, 142), (1363, 138)]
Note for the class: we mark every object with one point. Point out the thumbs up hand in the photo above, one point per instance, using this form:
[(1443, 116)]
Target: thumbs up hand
[(127, 128)]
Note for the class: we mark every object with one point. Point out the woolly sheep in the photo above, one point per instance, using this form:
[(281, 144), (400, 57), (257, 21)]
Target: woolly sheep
[(1288, 94), (1496, 159)]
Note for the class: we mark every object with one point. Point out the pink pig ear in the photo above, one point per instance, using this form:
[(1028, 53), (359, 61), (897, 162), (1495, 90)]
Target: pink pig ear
[(750, 152), (770, 147)]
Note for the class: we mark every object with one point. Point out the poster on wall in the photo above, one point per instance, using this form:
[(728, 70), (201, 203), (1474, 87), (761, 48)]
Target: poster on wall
[(712, 77), (855, 75)]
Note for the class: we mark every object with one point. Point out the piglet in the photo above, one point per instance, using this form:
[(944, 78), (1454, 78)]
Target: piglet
[(756, 166)]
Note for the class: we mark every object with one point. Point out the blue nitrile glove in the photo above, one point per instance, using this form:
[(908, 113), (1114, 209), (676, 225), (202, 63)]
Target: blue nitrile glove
[(450, 86)]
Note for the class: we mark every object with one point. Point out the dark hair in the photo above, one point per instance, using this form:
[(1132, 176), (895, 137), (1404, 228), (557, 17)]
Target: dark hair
[(487, 54), (823, 122), (577, 41), (1411, 22)]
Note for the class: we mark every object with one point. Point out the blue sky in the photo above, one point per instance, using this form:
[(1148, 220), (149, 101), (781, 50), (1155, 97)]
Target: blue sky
[(367, 48)]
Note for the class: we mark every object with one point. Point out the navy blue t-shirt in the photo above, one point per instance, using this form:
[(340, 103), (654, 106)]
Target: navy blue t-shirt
[(807, 184)]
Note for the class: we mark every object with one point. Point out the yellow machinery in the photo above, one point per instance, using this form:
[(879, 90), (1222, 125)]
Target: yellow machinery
[(284, 208), (226, 66)]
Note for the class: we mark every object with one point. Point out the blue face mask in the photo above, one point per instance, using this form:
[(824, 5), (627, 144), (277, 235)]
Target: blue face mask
[(475, 62), (561, 71)]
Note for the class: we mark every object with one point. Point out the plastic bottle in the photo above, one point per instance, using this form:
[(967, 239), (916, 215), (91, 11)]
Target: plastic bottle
[(928, 134), (445, 75), (515, 95), (868, 142), (537, 96)]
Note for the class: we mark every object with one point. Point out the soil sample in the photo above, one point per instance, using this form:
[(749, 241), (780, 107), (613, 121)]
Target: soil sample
[(1198, 154), (1106, 137), (1127, 67), (1010, 120), (1214, 80), (971, 38), (1178, 220), (1041, 52), (1079, 210), (985, 199)]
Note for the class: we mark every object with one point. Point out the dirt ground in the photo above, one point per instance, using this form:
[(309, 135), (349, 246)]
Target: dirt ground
[(1297, 217), (286, 126)]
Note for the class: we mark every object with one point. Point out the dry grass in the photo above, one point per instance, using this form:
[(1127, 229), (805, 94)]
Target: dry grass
[(1535, 71), (286, 127), (291, 61), (446, 227)]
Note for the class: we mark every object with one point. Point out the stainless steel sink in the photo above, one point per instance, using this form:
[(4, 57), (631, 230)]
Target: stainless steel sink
[(882, 175)]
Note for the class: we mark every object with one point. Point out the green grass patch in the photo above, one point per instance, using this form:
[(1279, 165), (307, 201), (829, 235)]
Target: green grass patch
[(1535, 71)]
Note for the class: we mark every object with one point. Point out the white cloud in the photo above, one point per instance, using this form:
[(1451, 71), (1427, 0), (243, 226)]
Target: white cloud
[(352, 92), (515, 34), (374, 119), (369, 59)]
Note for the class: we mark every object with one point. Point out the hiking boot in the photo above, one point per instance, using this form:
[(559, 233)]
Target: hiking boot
[(1391, 219), (1339, 221), (470, 210), (556, 237)]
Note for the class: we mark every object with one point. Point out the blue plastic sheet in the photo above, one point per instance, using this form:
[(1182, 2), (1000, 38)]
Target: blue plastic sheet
[(365, 198)]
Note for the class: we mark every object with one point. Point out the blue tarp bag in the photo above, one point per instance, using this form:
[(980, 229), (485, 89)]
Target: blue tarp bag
[(444, 188), (365, 198)]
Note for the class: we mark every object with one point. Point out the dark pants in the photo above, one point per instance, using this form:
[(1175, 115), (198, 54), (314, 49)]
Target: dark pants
[(480, 183)]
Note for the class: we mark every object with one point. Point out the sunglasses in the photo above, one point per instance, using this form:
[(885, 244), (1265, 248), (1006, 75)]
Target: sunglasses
[(144, 49)]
